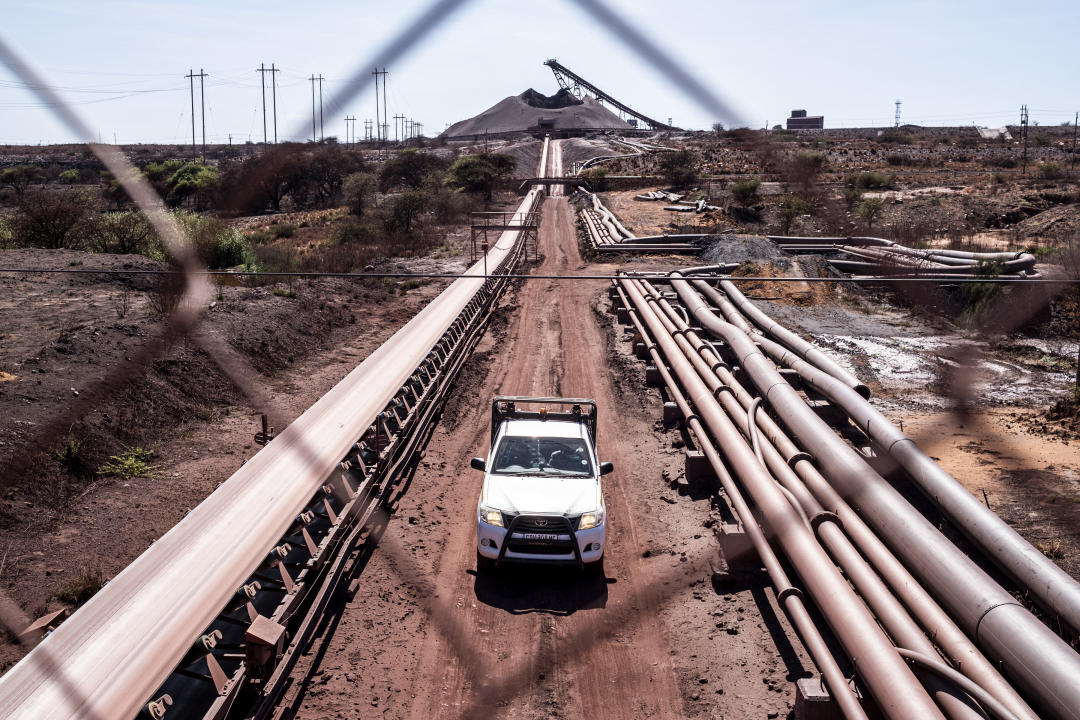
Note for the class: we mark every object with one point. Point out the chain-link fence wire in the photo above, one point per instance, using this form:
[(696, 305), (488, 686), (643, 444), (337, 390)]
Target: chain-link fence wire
[(184, 322)]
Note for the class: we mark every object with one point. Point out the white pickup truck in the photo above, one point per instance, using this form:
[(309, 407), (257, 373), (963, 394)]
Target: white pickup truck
[(542, 499)]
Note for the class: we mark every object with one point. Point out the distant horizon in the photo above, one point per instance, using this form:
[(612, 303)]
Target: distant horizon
[(122, 64)]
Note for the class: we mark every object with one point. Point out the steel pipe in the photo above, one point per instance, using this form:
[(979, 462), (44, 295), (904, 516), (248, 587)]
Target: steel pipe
[(1043, 664), (894, 687)]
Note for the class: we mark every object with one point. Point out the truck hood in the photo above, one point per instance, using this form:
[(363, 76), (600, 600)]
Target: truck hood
[(542, 495)]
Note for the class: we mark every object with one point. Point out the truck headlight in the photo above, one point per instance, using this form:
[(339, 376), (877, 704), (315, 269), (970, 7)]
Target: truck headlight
[(590, 519), (491, 517)]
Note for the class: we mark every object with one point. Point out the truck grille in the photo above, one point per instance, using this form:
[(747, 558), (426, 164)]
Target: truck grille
[(542, 534)]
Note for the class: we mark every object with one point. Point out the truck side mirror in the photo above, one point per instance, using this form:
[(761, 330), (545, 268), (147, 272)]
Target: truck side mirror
[(606, 467), (479, 464)]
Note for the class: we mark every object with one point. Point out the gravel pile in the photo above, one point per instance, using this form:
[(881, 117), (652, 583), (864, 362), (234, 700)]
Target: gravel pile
[(728, 248)]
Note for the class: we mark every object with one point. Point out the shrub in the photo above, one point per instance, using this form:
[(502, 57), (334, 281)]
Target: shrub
[(1050, 171), (351, 231), (791, 207), (870, 210), (259, 237), (123, 232), (404, 210), (193, 180), (69, 177), (133, 462), (359, 189), (745, 191), (81, 588), (283, 230), (804, 168), (215, 243), (895, 137), (408, 168), (852, 196), (477, 174), (7, 238), (875, 181), (20, 177), (596, 177), (51, 219), (680, 169)]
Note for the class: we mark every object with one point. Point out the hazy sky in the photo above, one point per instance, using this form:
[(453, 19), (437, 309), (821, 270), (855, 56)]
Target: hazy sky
[(122, 62)]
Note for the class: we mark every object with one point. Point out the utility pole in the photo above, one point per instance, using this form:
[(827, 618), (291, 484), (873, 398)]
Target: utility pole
[(367, 129), (398, 122), (202, 101), (312, 78), (897, 121), (273, 86), (230, 138), (1072, 173), (191, 81), (375, 72), (350, 137), (1024, 132), (322, 133), (382, 124), (262, 76)]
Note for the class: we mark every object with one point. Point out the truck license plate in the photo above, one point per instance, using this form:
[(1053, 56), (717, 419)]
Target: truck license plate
[(541, 538)]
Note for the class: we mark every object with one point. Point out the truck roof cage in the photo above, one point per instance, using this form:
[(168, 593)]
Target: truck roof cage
[(507, 407)]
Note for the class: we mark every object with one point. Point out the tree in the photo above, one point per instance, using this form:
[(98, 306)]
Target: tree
[(20, 177), (262, 182), (791, 207), (195, 180), (405, 208), (51, 220), (596, 177), (359, 189), (745, 191), (408, 168), (679, 168), (870, 210), (69, 177), (804, 168), (477, 174)]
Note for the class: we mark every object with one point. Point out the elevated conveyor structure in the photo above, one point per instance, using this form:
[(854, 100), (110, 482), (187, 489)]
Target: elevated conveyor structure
[(573, 82)]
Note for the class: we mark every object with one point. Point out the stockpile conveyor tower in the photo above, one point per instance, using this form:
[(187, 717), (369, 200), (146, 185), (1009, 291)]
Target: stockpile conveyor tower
[(577, 85)]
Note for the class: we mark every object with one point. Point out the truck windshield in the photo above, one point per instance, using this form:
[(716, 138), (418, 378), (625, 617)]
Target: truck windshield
[(520, 455)]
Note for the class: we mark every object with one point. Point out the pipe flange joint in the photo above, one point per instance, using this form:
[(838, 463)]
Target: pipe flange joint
[(723, 388), (825, 516), (789, 590), (799, 456)]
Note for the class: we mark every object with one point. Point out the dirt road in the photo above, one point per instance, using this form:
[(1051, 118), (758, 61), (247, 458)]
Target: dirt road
[(549, 642)]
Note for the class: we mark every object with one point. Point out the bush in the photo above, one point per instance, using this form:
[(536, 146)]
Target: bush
[(596, 177), (123, 232), (69, 177), (351, 231), (193, 180), (792, 207), (895, 137), (875, 181), (1050, 171), (359, 190), (404, 210), (215, 243), (804, 169), (852, 196), (680, 169), (408, 169), (20, 177), (283, 230), (477, 174), (81, 588), (51, 219), (745, 191)]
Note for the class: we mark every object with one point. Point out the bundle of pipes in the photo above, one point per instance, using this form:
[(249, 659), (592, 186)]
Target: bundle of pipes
[(914, 596), (698, 206), (875, 256), (659, 195), (607, 234)]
